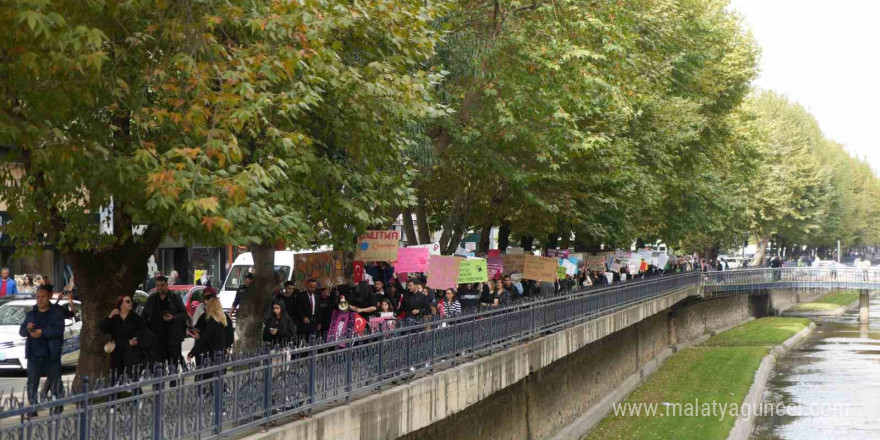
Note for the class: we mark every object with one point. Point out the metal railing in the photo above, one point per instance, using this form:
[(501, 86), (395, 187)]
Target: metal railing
[(791, 278), (239, 395)]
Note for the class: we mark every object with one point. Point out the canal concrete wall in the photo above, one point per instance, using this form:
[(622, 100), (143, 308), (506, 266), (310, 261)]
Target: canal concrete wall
[(784, 299), (569, 396), (532, 390)]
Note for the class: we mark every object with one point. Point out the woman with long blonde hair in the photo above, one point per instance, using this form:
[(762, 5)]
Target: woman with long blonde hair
[(212, 334)]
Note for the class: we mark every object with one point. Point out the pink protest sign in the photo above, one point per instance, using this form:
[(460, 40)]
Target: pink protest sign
[(494, 253), (443, 272), (412, 260), (495, 267)]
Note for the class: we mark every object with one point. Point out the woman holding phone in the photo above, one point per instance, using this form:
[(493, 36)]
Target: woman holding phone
[(133, 340), (278, 329)]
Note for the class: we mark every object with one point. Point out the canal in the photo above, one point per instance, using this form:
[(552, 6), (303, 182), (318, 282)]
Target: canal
[(830, 384)]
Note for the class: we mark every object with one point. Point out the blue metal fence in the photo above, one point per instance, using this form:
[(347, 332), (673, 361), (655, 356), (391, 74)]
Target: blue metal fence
[(237, 395)]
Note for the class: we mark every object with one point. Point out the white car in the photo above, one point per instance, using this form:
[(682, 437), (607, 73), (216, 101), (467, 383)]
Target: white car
[(12, 314)]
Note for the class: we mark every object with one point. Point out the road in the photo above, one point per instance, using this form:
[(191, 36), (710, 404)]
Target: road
[(15, 381)]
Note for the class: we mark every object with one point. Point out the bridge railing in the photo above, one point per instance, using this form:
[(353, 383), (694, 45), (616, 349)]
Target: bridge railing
[(792, 277), (237, 395)]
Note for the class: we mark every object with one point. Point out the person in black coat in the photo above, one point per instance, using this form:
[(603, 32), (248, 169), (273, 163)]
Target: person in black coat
[(307, 310), (327, 303), (132, 337), (212, 334), (211, 295), (166, 317), (278, 328)]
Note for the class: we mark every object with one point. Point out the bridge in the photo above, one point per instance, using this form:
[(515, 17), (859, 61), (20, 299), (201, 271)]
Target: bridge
[(239, 396)]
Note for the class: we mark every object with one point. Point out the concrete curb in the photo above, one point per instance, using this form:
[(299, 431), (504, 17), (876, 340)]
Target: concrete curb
[(585, 423), (742, 429)]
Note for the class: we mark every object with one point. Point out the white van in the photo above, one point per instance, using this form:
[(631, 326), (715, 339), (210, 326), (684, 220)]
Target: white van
[(244, 263)]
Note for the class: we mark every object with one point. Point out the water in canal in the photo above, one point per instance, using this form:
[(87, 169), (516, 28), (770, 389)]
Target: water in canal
[(830, 384)]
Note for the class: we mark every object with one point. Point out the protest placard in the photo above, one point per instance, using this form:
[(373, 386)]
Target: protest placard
[(515, 250), (324, 267), (560, 272), (595, 264), (378, 246), (443, 271), (662, 260), (495, 266), (540, 268), (494, 253), (412, 259), (514, 263), (433, 248), (570, 266), (473, 270)]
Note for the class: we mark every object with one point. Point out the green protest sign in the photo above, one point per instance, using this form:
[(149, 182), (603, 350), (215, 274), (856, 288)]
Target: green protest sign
[(473, 270), (560, 272)]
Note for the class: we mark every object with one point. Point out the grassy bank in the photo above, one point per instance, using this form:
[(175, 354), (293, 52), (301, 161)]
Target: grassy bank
[(829, 302), (721, 370)]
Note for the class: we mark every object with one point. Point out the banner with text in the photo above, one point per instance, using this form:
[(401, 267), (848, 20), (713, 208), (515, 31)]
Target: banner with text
[(473, 270), (540, 268), (514, 263), (325, 267), (378, 246)]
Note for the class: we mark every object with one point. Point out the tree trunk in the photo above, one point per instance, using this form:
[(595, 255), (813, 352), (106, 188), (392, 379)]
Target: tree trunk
[(552, 241), (454, 240), (758, 260), (485, 236), (101, 276), (254, 304), (409, 229), (504, 235), (422, 220), (526, 242), (451, 223)]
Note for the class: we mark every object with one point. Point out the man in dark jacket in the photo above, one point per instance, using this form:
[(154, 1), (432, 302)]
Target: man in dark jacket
[(287, 295), (166, 316), (241, 291), (307, 310), (43, 327)]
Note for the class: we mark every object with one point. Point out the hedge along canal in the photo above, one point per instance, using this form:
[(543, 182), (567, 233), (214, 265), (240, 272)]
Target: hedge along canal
[(698, 392)]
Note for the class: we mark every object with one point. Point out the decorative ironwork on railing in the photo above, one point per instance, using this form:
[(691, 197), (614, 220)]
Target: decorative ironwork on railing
[(239, 394)]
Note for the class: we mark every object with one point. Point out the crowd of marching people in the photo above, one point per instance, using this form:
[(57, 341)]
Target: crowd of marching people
[(297, 314)]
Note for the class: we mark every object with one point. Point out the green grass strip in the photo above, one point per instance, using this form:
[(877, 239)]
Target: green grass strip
[(829, 302), (680, 393), (760, 332)]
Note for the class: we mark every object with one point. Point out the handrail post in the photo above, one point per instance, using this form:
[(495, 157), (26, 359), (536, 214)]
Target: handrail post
[(267, 387), (218, 396), (349, 360), (85, 415), (158, 404)]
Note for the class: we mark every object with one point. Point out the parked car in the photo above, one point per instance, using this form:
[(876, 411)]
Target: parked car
[(12, 314)]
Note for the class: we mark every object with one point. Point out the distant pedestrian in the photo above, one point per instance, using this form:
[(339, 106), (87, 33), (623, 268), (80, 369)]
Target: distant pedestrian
[(44, 329), (241, 291), (165, 316), (7, 284)]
